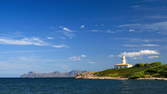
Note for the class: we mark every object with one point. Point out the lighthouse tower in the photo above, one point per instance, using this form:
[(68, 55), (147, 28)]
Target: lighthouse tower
[(123, 64), (123, 60)]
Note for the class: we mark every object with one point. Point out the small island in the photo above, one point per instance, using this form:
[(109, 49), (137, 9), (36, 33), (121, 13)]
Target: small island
[(140, 71)]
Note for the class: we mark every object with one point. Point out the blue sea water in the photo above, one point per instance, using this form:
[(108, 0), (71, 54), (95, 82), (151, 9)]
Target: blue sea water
[(73, 86)]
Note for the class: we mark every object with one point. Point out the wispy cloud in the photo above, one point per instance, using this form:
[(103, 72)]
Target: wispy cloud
[(144, 40), (152, 57), (34, 41), (103, 31), (82, 26), (60, 46), (25, 41), (140, 53), (67, 32), (50, 38), (141, 45), (77, 58), (67, 29), (159, 27)]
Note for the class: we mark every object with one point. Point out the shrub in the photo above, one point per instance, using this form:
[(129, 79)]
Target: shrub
[(140, 65), (147, 76), (137, 75), (155, 64), (152, 71), (163, 73), (113, 75), (148, 64)]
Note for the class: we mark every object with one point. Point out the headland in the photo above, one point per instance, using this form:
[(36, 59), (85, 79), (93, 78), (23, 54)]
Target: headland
[(141, 71)]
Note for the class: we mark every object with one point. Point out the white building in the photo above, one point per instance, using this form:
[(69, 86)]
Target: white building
[(123, 64)]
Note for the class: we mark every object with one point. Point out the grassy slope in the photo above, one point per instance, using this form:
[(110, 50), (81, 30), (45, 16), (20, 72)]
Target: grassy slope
[(155, 69)]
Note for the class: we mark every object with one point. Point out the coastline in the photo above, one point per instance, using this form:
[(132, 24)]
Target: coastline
[(119, 78), (102, 78), (90, 75)]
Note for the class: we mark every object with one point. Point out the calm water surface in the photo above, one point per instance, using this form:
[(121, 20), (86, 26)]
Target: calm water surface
[(72, 86)]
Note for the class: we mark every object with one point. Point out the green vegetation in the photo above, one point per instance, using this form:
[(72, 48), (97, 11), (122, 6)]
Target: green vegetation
[(141, 70)]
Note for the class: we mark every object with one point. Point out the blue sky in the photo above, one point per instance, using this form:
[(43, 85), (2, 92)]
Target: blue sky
[(64, 35)]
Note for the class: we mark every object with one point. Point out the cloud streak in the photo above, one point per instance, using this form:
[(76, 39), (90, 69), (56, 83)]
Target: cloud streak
[(140, 53), (67, 32), (77, 58), (60, 46), (67, 29), (159, 27), (82, 26), (29, 41), (152, 57), (25, 41), (141, 45)]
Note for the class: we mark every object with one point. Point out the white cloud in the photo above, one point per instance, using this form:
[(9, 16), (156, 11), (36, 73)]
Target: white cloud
[(60, 46), (29, 41), (77, 58), (137, 58), (152, 57), (140, 45), (150, 45), (140, 53), (145, 40), (82, 26), (25, 41), (50, 38), (67, 32), (103, 31), (83, 56), (94, 30), (66, 29), (131, 30), (159, 27)]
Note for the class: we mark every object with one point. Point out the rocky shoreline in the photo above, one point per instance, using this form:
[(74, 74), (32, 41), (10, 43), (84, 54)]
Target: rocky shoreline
[(152, 78), (90, 75)]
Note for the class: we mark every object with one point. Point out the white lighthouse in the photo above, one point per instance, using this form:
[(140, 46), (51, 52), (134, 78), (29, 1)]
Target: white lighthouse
[(123, 64), (123, 60)]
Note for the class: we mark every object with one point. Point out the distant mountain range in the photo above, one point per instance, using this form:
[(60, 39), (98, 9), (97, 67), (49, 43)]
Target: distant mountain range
[(51, 74)]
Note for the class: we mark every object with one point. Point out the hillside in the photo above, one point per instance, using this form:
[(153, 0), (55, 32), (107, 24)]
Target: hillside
[(141, 70)]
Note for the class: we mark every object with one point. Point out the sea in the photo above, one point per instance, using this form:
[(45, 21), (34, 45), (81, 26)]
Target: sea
[(79, 86)]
